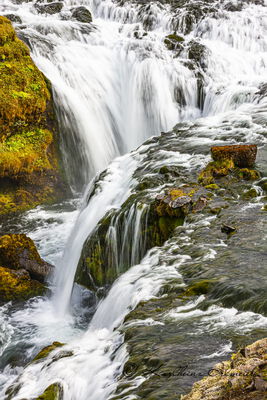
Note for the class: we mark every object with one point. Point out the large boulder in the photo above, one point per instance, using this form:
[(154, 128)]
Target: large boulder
[(241, 378), (19, 252)]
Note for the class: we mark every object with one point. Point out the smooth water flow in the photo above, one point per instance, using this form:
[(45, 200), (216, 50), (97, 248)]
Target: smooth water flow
[(116, 84)]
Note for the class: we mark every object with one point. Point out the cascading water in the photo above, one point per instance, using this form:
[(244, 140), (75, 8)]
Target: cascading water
[(116, 84)]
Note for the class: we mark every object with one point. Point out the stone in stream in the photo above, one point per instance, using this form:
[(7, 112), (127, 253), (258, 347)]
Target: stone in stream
[(241, 378), (82, 14), (243, 156)]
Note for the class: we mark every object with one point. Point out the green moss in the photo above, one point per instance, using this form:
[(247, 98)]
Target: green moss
[(198, 288), (47, 350), (212, 186), (17, 285), (20, 102), (29, 169), (248, 174), (215, 169), (53, 392)]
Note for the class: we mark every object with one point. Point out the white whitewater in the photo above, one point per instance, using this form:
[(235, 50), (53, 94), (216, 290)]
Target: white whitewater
[(113, 91)]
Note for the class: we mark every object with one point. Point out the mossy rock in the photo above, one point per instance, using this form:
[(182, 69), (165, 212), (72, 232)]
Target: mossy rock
[(215, 169), (29, 159), (18, 286), (53, 392), (19, 252), (47, 350)]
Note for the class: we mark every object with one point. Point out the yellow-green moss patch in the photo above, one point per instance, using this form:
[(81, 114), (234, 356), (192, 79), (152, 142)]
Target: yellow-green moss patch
[(17, 285), (47, 350)]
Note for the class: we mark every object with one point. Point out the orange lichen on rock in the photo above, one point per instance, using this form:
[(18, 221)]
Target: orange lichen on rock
[(243, 155)]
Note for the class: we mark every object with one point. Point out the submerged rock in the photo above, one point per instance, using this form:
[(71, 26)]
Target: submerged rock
[(241, 378), (19, 252), (243, 156), (82, 14)]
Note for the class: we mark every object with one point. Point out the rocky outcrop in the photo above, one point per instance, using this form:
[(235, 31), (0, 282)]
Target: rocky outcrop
[(22, 271), (241, 378), (30, 171)]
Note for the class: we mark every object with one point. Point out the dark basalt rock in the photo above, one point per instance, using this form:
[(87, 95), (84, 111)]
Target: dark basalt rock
[(51, 8), (19, 252), (243, 156), (82, 14)]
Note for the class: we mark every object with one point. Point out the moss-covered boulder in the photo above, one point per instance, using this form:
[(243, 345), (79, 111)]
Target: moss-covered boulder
[(53, 392), (244, 377), (29, 160), (18, 285), (19, 252)]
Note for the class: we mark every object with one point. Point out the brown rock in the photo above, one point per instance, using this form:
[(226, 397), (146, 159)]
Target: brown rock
[(243, 156)]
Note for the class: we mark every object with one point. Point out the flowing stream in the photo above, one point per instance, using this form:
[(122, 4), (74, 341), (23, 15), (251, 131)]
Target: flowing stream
[(116, 84)]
